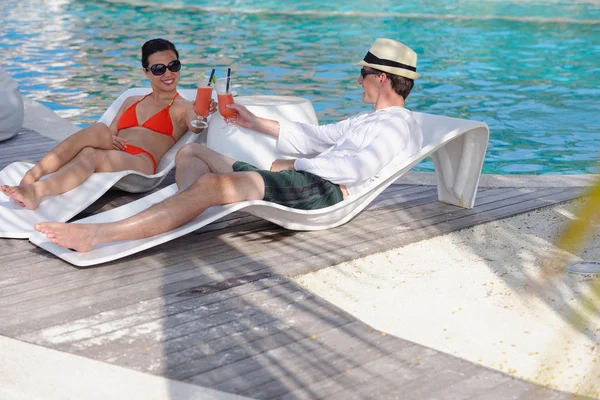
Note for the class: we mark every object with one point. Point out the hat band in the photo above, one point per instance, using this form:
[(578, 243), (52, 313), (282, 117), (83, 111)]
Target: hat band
[(373, 59)]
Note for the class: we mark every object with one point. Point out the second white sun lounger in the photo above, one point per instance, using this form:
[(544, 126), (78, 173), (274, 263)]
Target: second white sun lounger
[(457, 147), (18, 222)]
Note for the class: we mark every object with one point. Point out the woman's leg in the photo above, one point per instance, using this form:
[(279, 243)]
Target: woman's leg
[(97, 136), (75, 172)]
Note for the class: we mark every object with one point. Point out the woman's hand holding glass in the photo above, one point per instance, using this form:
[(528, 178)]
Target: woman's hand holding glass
[(203, 103)]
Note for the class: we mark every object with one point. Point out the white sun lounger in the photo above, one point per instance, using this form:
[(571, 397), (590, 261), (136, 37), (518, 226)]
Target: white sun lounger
[(18, 222), (457, 147)]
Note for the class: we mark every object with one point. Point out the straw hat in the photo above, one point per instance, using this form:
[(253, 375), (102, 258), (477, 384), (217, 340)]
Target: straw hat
[(390, 56)]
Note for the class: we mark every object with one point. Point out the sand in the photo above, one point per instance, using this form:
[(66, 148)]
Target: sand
[(475, 294)]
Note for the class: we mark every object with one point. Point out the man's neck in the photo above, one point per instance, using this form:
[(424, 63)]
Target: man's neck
[(386, 100)]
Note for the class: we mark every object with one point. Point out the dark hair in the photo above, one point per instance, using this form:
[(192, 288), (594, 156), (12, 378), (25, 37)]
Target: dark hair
[(154, 46), (400, 84)]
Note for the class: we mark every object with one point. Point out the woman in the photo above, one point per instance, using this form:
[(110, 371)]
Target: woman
[(127, 144)]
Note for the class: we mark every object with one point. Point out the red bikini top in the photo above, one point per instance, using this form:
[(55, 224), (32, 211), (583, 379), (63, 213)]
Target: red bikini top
[(159, 122)]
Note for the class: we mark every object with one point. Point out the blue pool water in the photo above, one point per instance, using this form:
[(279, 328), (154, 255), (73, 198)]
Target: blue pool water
[(529, 69)]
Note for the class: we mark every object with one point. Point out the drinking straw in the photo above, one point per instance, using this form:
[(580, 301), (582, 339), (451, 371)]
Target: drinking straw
[(211, 77), (228, 75)]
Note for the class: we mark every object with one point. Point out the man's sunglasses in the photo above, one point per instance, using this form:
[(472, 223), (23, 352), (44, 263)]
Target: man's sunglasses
[(365, 72), (160, 69)]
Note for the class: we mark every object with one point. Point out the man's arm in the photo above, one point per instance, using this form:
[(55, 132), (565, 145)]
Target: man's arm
[(345, 167), (294, 138), (282, 165), (246, 119)]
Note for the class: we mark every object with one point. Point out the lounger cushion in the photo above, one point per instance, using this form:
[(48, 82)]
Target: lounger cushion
[(11, 106)]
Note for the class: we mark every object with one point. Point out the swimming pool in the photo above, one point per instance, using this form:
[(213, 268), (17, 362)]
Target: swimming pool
[(529, 69)]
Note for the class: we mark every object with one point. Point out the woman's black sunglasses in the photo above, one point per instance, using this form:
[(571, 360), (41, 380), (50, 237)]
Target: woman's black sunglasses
[(365, 72), (160, 69)]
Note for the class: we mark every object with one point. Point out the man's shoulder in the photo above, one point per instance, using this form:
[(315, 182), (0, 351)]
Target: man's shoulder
[(394, 112)]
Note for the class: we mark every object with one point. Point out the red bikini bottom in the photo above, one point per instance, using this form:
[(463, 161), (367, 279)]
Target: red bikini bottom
[(133, 150)]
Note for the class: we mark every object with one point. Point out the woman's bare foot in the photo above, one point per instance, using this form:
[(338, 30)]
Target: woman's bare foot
[(30, 177), (6, 190), (79, 237), (24, 195)]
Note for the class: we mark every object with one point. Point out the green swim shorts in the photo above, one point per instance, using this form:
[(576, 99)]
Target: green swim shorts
[(295, 189)]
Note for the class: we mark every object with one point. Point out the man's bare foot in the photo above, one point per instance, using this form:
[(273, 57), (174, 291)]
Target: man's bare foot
[(24, 195), (79, 237)]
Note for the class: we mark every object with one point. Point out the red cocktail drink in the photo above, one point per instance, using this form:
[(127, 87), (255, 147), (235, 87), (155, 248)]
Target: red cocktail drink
[(201, 106), (202, 103), (223, 100)]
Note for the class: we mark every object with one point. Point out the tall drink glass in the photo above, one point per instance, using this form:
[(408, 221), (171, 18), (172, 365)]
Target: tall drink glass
[(225, 96), (202, 103)]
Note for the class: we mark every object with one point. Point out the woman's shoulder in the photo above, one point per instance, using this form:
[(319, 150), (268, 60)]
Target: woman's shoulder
[(130, 100), (181, 105), (180, 101)]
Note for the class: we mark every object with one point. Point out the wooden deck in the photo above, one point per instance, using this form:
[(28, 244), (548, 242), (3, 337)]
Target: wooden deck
[(216, 308)]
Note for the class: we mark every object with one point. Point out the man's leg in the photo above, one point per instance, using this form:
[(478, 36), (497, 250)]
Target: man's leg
[(195, 160), (96, 136), (211, 189)]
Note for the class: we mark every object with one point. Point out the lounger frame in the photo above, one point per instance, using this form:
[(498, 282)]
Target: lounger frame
[(18, 222), (457, 147)]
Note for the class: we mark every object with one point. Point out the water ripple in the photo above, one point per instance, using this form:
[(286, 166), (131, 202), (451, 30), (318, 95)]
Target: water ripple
[(534, 84)]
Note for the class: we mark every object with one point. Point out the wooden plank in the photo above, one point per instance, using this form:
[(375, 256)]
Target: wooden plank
[(344, 247), (517, 390), (49, 281), (386, 372), (46, 293), (19, 269), (387, 242), (175, 337), (180, 352), (242, 259), (418, 372), (242, 350), (475, 384), (111, 320), (26, 150), (26, 138), (276, 372), (295, 340), (27, 142), (181, 319)]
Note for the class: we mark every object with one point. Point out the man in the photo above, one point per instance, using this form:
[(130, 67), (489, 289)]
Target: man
[(331, 161)]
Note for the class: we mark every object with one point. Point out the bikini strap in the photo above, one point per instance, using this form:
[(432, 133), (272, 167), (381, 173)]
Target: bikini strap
[(144, 97), (174, 97)]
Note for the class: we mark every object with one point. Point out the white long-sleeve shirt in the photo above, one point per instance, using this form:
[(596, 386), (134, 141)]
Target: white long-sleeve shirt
[(351, 152)]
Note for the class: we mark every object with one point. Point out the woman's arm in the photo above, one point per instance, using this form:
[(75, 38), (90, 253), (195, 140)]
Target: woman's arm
[(190, 115), (119, 143), (115, 122)]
